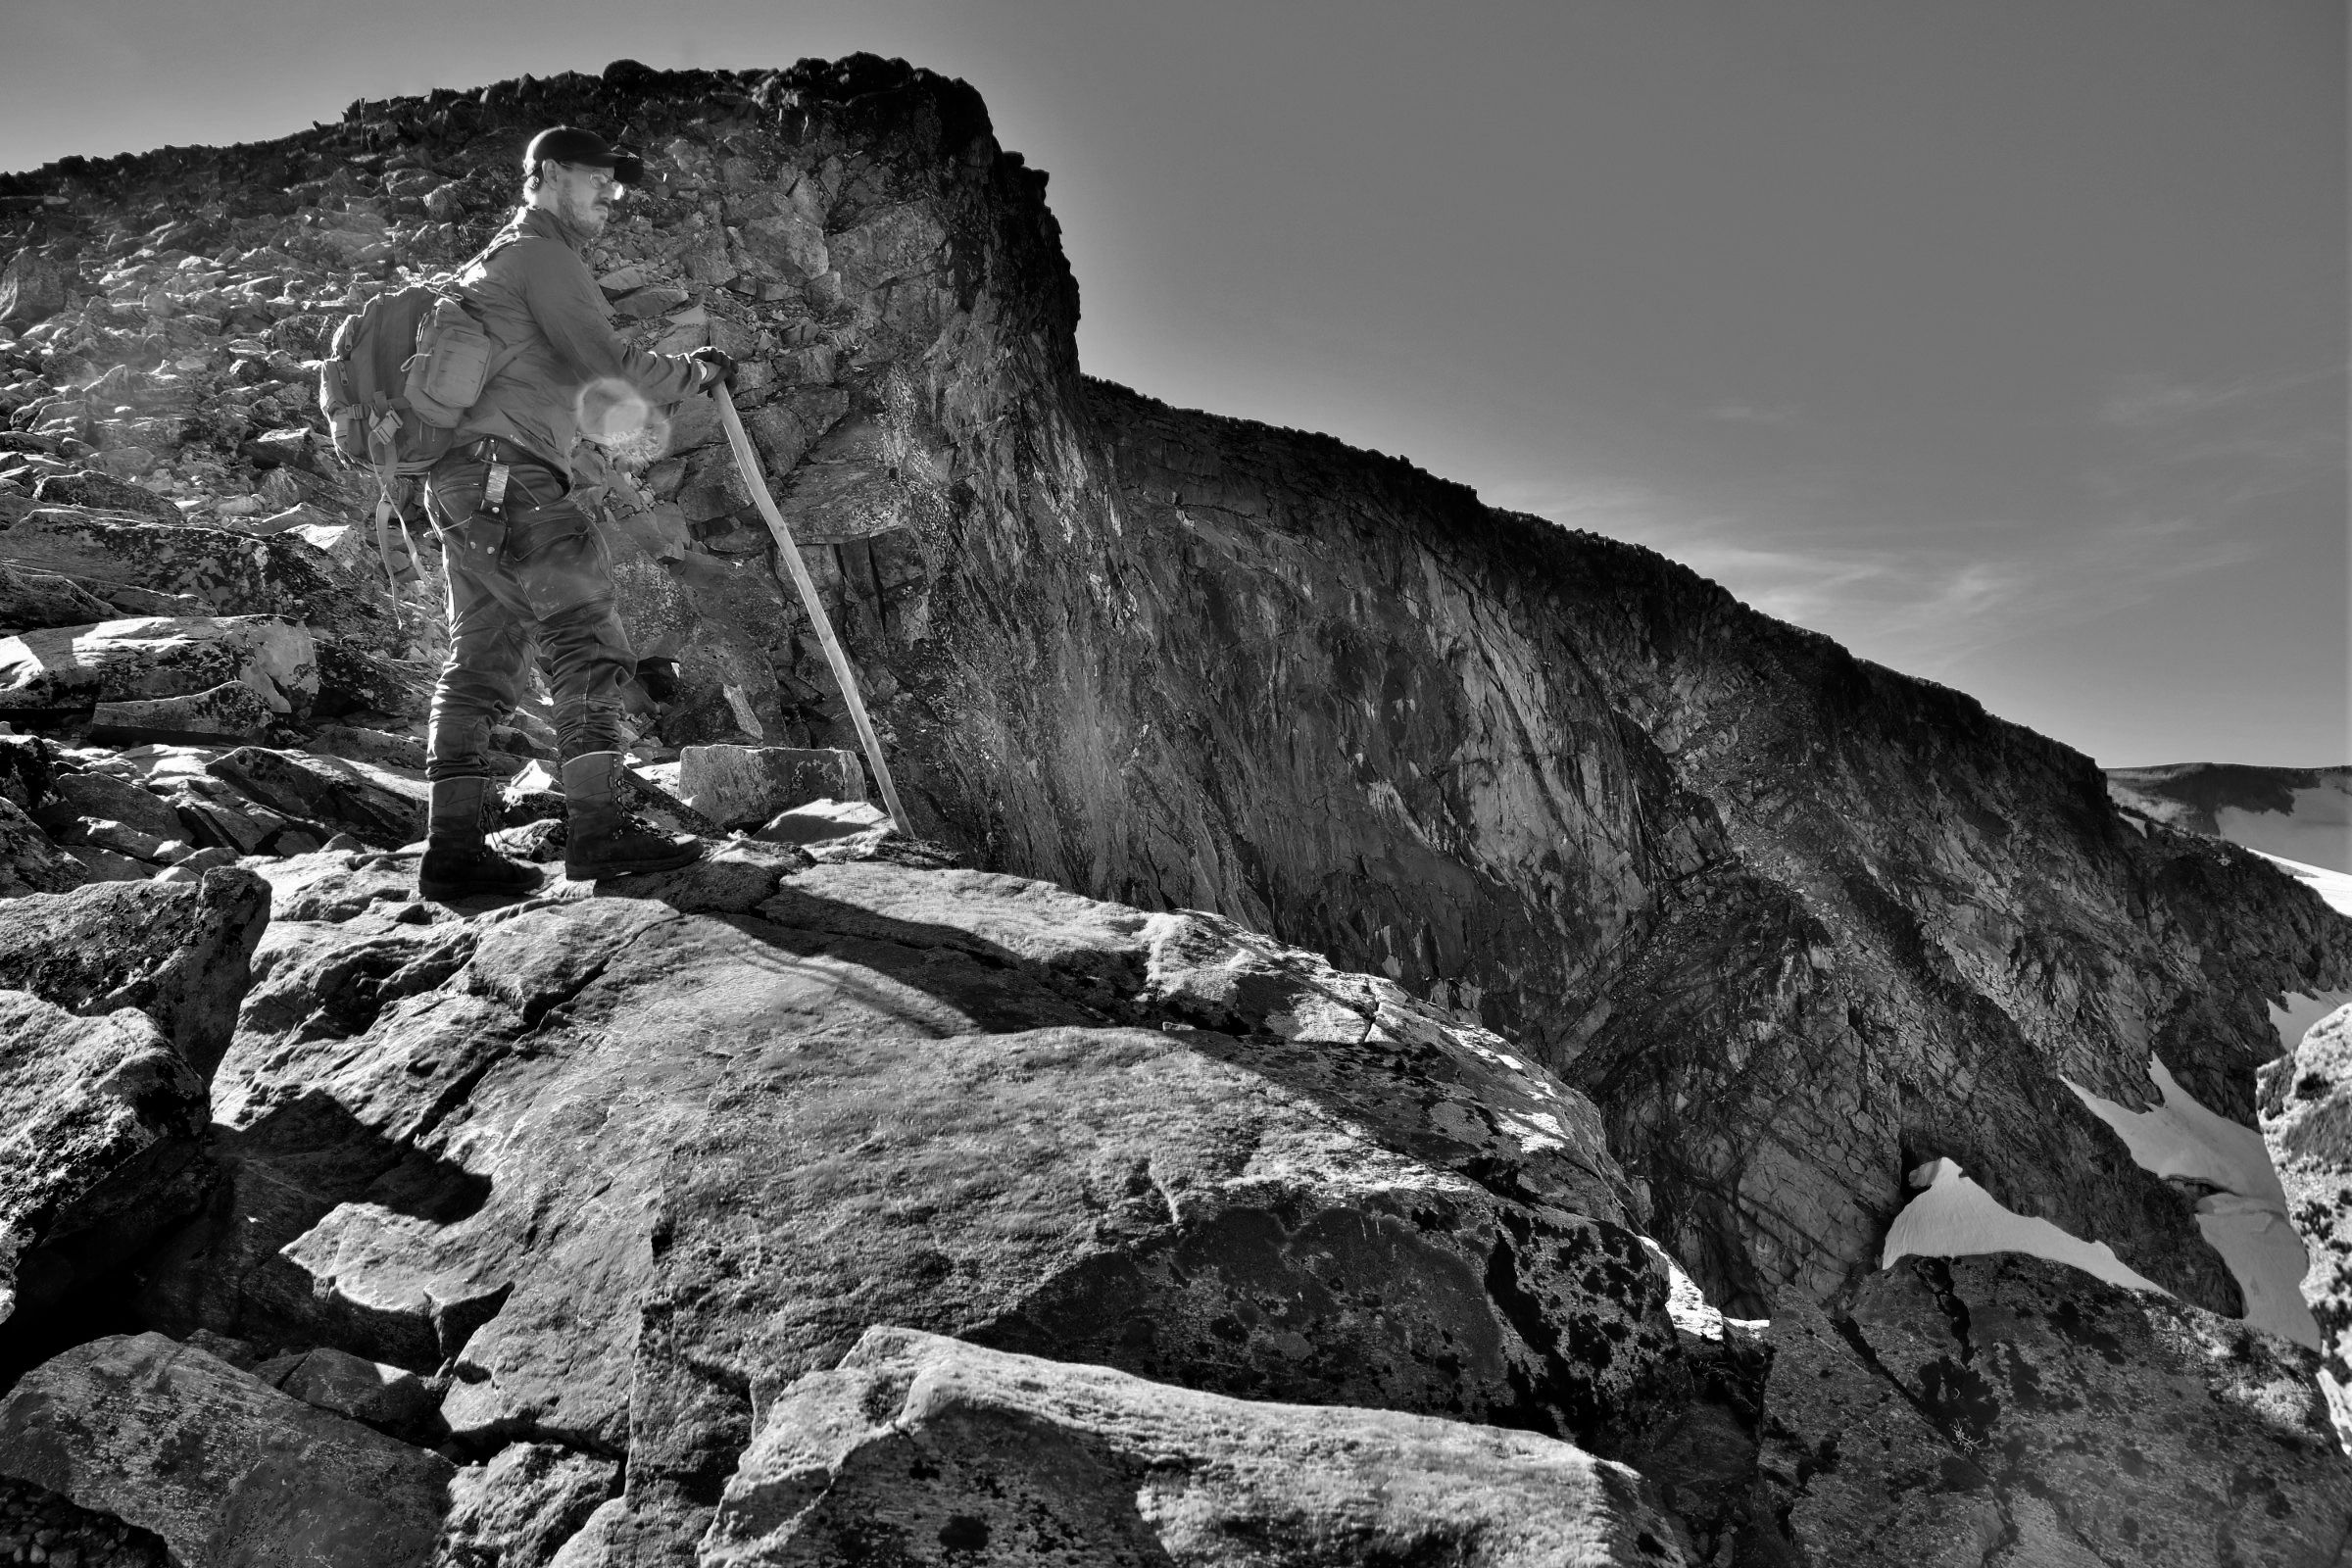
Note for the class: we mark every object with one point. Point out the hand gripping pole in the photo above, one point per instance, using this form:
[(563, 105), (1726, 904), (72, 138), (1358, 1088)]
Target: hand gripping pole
[(749, 462)]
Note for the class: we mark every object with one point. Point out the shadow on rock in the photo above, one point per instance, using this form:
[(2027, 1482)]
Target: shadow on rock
[(226, 1270)]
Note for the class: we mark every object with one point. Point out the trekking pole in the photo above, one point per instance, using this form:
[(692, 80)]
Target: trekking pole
[(748, 462)]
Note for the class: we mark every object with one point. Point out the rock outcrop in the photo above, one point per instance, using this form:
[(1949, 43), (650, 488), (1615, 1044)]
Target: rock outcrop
[(219, 1465), (2307, 1122), (178, 952), (547, 1161), (1352, 949), (2010, 1409), (922, 1449), (101, 1154)]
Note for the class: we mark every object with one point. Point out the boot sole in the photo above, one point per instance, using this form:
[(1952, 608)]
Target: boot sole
[(592, 871), (446, 891)]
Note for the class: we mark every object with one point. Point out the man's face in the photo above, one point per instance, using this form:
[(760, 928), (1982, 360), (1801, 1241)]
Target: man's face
[(584, 196)]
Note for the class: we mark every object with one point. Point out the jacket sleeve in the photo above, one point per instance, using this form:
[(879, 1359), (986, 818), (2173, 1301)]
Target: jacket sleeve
[(563, 301)]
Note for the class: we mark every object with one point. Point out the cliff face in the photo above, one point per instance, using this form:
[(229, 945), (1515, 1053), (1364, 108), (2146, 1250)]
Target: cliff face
[(1795, 924)]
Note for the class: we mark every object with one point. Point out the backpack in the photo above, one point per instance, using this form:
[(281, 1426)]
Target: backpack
[(395, 385)]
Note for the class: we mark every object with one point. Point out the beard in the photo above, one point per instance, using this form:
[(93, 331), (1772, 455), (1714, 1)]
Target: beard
[(587, 214)]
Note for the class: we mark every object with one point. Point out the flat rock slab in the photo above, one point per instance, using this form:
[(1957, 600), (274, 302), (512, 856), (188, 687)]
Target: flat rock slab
[(102, 493), (389, 1399), (823, 821), (101, 1119), (921, 1449), (224, 1468), (35, 599), (154, 656), (744, 786), (225, 571), (104, 797), (370, 803), (1857, 1474), (177, 951), (229, 712)]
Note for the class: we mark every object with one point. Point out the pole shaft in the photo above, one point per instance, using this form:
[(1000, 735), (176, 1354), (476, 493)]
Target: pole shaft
[(749, 462)]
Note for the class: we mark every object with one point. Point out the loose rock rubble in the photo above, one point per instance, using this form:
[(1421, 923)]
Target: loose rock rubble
[(68, 1537)]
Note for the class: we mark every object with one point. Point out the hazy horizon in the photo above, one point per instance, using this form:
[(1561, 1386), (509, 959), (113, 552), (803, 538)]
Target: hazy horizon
[(2003, 343)]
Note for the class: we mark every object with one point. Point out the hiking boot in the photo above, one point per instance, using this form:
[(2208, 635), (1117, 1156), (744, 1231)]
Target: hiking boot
[(602, 840), (457, 862)]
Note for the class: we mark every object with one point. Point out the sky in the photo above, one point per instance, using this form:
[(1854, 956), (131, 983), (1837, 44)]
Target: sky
[(2003, 341)]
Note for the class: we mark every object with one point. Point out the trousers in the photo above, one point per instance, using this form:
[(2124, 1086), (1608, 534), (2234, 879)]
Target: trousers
[(534, 569)]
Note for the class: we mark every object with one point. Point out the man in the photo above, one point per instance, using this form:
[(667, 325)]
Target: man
[(522, 554)]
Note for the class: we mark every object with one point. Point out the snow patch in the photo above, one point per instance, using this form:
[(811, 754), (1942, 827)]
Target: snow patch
[(2334, 888), (2246, 1220), (2263, 1249), (2298, 1012), (1687, 1304), (1957, 1218), (2182, 1138), (2315, 830)]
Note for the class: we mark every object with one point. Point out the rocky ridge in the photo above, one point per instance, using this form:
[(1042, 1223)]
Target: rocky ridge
[(1632, 914)]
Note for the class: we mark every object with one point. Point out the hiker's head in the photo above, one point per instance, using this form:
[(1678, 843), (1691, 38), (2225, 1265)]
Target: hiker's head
[(576, 176)]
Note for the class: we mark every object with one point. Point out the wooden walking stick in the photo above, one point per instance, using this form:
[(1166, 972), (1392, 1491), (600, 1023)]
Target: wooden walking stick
[(749, 462)]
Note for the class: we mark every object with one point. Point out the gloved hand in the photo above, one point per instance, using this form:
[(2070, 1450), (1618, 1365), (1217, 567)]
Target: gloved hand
[(720, 367)]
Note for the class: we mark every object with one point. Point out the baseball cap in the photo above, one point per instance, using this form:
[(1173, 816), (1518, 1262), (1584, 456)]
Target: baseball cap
[(569, 144)]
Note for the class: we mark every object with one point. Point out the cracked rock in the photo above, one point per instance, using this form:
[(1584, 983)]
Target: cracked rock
[(919, 1450), (224, 1468)]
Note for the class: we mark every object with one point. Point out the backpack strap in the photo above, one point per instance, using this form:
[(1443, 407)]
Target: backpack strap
[(507, 354), (383, 430)]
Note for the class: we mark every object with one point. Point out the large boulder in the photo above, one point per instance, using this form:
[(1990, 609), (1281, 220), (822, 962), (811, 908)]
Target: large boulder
[(1959, 1405), (522, 1506), (742, 786), (1854, 1472), (225, 572), (30, 862), (370, 803), (103, 493), (224, 1468), (2306, 1124), (34, 286), (919, 1450), (28, 766), (108, 797), (613, 1162), (32, 599), (230, 712), (100, 1155), (66, 669), (390, 1399), (177, 951)]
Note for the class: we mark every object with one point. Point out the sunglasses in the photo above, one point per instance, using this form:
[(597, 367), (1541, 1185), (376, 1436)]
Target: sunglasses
[(605, 178)]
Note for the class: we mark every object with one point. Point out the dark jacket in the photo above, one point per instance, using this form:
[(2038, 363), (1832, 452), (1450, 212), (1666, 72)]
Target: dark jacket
[(554, 335)]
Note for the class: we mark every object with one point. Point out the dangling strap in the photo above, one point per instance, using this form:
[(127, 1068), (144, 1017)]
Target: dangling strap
[(382, 430)]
